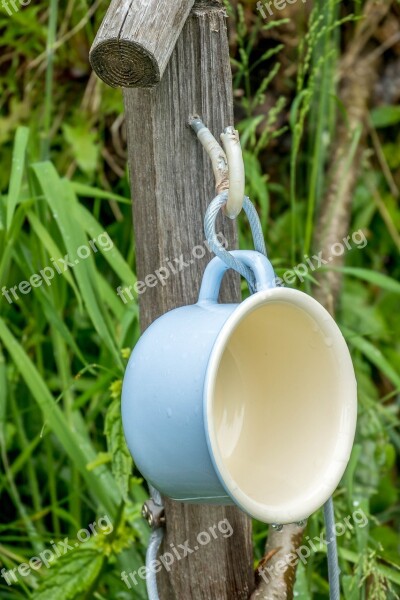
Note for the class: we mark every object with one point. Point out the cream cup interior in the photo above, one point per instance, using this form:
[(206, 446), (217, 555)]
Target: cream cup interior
[(281, 406)]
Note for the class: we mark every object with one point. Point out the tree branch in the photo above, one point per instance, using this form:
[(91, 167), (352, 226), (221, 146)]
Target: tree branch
[(358, 74)]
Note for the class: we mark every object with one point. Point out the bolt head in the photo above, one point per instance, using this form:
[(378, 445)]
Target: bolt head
[(302, 523), (145, 511)]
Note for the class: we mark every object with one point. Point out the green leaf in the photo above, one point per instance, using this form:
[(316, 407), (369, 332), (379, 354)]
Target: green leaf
[(257, 185), (385, 116), (84, 146), (378, 279), (350, 588), (51, 312), (388, 539), (12, 242), (110, 298), (248, 128), (17, 171), (391, 573), (81, 189), (21, 460), (72, 574), (100, 484), (109, 251), (122, 463), (373, 354), (103, 458), (349, 475), (62, 201), (53, 250), (3, 397), (3, 210), (301, 591)]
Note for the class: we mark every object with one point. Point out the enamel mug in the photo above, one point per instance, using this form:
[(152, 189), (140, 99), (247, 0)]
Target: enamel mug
[(252, 404)]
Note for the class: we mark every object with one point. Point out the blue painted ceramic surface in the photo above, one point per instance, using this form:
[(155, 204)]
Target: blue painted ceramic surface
[(162, 398), (253, 404)]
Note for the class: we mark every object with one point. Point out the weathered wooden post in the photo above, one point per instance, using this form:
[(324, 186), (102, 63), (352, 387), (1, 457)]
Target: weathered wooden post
[(172, 59)]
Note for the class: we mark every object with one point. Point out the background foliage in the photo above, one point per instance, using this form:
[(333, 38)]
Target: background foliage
[(63, 348)]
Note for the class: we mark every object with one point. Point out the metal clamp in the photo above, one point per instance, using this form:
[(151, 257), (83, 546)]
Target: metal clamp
[(227, 164), (154, 514), (231, 143)]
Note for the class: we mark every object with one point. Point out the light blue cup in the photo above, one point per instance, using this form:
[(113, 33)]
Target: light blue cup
[(252, 404)]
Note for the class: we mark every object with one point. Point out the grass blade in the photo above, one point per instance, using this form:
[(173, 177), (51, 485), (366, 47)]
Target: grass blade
[(112, 256), (379, 279), (3, 397), (17, 171), (101, 485), (373, 354), (53, 250), (62, 204), (80, 189), (51, 313)]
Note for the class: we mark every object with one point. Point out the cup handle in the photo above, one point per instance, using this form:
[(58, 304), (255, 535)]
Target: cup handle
[(216, 269)]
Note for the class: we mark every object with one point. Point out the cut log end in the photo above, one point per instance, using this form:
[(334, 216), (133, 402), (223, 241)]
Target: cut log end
[(122, 63)]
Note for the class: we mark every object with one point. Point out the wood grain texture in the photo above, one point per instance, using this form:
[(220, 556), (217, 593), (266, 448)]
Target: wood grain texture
[(135, 40), (172, 184)]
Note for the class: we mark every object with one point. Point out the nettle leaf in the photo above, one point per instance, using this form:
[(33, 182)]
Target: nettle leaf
[(73, 574), (122, 463)]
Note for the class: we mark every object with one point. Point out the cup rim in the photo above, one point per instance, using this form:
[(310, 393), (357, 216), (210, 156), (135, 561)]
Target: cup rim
[(288, 513)]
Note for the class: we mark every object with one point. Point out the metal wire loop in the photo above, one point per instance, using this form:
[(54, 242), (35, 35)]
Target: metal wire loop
[(209, 228)]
